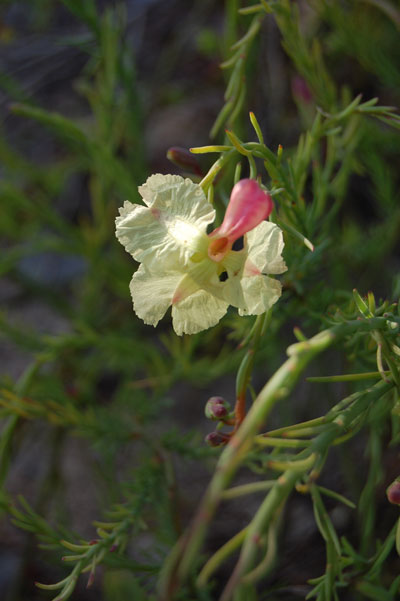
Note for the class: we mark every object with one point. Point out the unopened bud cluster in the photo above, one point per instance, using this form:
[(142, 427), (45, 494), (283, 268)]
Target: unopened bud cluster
[(217, 408)]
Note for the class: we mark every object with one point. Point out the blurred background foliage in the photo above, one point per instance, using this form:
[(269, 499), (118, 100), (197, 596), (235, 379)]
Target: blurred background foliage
[(101, 413)]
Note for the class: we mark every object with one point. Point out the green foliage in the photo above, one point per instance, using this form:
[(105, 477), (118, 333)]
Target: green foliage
[(114, 384)]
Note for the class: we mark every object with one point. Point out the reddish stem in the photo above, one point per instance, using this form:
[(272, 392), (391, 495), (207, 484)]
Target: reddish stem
[(240, 410)]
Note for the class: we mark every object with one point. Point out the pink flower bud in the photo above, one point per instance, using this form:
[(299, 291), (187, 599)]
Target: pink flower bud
[(393, 493), (248, 206)]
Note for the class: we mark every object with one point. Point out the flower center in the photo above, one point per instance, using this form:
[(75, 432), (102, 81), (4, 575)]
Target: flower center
[(186, 234), (218, 248)]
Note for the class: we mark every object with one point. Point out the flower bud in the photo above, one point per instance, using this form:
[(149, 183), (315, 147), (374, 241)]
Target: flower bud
[(184, 159), (248, 206), (216, 439), (216, 408), (300, 90), (393, 492)]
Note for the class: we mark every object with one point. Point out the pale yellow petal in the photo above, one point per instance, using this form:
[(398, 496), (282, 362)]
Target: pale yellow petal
[(186, 201), (157, 183), (206, 274), (178, 197), (264, 245), (139, 231), (152, 293), (197, 312), (234, 261), (232, 291), (260, 293), (172, 228), (150, 238), (186, 287)]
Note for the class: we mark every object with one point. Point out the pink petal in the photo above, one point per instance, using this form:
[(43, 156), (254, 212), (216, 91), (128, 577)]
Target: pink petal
[(248, 206)]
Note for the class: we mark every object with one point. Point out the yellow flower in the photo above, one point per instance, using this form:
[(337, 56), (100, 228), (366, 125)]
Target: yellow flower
[(200, 275)]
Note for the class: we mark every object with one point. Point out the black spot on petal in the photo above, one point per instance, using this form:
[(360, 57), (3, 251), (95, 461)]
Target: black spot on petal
[(223, 276)]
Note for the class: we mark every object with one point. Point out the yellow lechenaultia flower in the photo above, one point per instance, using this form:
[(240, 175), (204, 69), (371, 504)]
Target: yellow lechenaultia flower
[(196, 273)]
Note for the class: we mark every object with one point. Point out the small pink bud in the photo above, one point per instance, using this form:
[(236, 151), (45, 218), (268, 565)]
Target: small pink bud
[(216, 408), (393, 493), (248, 206), (216, 439)]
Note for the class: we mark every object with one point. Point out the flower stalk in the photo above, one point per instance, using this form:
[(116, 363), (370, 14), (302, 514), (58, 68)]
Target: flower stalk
[(279, 386)]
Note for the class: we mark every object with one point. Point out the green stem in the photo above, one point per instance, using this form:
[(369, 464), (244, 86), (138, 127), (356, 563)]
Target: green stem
[(317, 421), (246, 368), (215, 169), (7, 433), (245, 489), (223, 553), (264, 516), (293, 443), (368, 375), (187, 550), (267, 563)]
